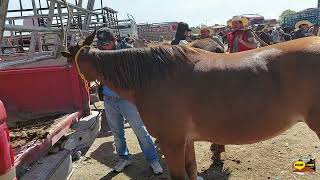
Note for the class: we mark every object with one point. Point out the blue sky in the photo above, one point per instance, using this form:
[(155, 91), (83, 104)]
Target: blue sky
[(195, 12)]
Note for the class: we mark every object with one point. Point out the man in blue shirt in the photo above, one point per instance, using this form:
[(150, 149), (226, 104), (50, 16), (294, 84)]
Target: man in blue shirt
[(117, 109)]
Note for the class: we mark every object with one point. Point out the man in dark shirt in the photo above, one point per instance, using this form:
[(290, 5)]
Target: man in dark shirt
[(183, 31), (265, 36), (303, 29)]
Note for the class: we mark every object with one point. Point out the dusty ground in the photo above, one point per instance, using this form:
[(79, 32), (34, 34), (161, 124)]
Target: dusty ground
[(270, 159)]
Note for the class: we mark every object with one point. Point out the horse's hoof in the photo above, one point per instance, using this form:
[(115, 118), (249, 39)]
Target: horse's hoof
[(200, 178)]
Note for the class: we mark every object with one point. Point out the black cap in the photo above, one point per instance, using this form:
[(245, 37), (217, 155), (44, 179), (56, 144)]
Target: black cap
[(182, 27), (105, 36)]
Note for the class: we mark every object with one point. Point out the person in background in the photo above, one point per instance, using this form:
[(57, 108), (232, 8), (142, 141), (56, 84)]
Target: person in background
[(314, 30), (183, 31), (287, 34), (117, 109), (275, 34), (263, 34), (241, 38), (303, 29), (129, 40), (205, 33)]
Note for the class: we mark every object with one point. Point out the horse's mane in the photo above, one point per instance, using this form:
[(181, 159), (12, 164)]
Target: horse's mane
[(207, 44), (138, 67)]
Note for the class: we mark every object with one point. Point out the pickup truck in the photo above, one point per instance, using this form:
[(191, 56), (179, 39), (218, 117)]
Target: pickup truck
[(49, 119)]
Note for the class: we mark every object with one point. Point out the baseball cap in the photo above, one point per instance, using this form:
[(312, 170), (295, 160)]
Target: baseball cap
[(105, 36), (182, 26)]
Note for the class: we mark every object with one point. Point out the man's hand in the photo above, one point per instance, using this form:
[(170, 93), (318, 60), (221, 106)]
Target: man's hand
[(248, 44)]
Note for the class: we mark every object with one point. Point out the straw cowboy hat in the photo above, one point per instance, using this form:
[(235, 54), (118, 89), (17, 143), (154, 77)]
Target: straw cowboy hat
[(298, 24), (244, 21)]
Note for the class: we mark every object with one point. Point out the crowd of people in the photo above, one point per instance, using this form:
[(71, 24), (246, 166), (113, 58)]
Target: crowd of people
[(239, 38)]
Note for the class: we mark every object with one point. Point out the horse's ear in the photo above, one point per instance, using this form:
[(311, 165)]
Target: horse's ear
[(88, 41), (66, 54)]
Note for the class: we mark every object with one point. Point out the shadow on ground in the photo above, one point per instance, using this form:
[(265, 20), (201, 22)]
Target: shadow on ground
[(139, 169)]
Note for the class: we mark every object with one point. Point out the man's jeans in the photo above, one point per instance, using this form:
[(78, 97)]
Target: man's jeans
[(118, 109)]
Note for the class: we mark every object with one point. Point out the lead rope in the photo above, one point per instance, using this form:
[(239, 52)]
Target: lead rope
[(77, 65)]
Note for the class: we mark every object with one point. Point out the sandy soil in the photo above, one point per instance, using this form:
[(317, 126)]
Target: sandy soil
[(272, 159)]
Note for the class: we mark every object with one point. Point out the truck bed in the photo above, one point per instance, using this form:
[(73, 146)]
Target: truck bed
[(42, 99), (27, 129)]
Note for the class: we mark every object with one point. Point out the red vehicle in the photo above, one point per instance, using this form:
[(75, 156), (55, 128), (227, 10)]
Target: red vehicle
[(7, 170), (43, 101)]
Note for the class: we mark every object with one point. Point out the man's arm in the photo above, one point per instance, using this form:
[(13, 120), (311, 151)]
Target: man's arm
[(252, 42)]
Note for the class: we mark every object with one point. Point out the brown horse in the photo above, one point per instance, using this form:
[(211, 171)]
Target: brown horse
[(186, 94), (207, 44)]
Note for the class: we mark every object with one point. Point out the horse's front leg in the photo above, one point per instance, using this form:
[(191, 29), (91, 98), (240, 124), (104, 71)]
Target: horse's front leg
[(174, 153), (191, 164), (217, 150)]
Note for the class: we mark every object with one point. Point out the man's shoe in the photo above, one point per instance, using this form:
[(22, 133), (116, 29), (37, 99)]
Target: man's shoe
[(122, 163), (156, 168)]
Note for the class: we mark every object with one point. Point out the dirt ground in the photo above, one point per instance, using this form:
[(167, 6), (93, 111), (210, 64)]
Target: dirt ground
[(27, 128), (272, 159)]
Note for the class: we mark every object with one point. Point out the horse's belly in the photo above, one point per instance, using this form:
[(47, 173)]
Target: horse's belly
[(245, 132)]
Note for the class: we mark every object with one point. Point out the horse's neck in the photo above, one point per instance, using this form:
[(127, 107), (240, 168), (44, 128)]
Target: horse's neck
[(99, 57)]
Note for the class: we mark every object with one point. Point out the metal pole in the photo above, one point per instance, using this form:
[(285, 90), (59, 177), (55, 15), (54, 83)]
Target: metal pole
[(3, 14), (34, 35), (88, 15), (51, 12)]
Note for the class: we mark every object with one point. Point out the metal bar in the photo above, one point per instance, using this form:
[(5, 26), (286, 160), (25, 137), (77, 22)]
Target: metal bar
[(75, 7), (32, 47), (60, 16), (51, 12), (40, 7), (34, 8), (11, 32), (44, 15), (88, 15), (20, 7), (21, 28), (3, 14), (69, 20), (80, 3), (18, 10), (33, 41)]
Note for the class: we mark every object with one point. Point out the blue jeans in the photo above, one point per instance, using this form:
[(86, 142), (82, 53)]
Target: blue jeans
[(116, 111)]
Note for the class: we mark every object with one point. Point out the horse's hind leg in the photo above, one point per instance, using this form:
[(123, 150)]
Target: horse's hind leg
[(313, 120), (175, 157), (191, 165), (217, 150)]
